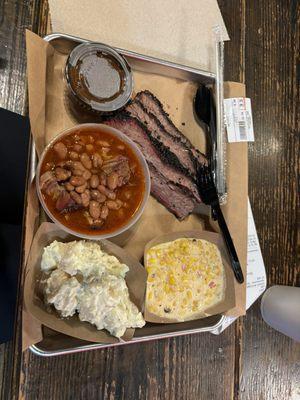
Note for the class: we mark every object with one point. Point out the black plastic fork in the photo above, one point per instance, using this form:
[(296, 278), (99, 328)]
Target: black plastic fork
[(209, 196)]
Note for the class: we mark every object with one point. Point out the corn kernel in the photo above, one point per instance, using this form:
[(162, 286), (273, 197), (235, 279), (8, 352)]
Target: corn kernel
[(167, 288)]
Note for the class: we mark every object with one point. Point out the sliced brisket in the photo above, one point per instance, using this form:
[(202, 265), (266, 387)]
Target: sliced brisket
[(170, 195), (175, 151), (154, 106), (183, 185)]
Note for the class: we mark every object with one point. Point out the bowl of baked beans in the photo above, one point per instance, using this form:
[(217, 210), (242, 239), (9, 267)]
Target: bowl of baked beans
[(93, 181)]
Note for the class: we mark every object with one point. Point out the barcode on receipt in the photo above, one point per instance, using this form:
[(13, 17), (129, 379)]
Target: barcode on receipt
[(242, 129)]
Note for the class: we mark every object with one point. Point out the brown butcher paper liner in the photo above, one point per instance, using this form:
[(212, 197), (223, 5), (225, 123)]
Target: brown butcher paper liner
[(33, 298), (49, 115), (228, 300)]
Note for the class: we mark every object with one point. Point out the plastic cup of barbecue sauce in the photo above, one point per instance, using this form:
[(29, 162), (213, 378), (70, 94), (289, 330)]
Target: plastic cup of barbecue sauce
[(99, 80)]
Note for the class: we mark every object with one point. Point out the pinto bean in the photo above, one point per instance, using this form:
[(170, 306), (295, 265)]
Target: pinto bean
[(96, 195), (81, 189), (85, 198), (103, 179), (78, 147), (86, 161), (112, 180), (86, 175), (108, 193), (89, 147), (94, 209), (102, 189), (77, 181), (103, 143), (112, 205), (62, 174), (78, 172), (105, 151), (111, 195), (97, 160), (89, 219), (104, 212), (76, 197), (73, 155), (94, 182), (61, 150), (78, 165), (69, 187), (119, 203)]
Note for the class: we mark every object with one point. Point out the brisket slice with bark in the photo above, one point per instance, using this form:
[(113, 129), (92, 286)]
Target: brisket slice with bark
[(167, 183), (170, 195), (179, 154), (154, 106)]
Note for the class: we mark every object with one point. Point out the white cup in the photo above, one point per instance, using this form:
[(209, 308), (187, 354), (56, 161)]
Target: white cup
[(280, 308)]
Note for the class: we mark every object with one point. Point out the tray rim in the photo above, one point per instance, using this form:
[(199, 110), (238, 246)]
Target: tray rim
[(208, 74), (50, 353), (94, 346)]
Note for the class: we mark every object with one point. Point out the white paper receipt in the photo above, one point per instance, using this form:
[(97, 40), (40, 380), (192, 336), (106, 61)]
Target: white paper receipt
[(256, 273), (238, 119)]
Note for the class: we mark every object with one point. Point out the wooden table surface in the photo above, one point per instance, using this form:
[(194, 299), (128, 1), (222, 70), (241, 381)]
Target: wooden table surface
[(249, 360)]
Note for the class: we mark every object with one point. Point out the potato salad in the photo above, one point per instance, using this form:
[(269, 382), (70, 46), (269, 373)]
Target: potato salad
[(81, 278)]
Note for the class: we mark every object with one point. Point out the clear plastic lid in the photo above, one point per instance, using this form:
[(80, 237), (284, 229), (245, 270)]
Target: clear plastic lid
[(220, 177), (98, 77)]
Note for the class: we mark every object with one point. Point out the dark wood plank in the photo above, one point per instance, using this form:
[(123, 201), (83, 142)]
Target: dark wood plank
[(15, 17), (166, 369), (5, 369), (233, 13), (271, 361)]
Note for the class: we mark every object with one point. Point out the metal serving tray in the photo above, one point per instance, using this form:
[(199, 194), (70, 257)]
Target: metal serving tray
[(55, 343)]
